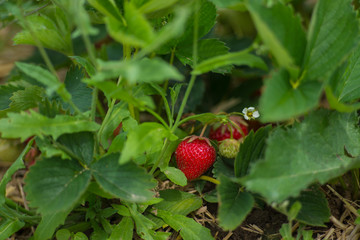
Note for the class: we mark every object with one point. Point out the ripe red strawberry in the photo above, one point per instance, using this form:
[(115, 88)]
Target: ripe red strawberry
[(222, 131), (194, 156)]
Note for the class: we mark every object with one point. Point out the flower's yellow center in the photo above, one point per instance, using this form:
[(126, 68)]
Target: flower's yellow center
[(250, 114)]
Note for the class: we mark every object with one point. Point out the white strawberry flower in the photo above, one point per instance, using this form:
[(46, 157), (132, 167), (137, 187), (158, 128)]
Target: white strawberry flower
[(250, 113)]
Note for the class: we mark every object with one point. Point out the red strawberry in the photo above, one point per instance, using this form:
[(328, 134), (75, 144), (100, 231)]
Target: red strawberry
[(222, 132), (194, 156)]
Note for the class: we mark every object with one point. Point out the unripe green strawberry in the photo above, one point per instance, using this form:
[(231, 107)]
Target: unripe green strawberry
[(229, 148), (194, 156)]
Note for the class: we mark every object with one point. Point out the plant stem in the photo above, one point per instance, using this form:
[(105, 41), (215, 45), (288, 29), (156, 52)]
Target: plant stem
[(108, 113), (158, 117), (203, 130), (160, 158), (195, 58), (93, 103), (188, 90), (209, 179), (165, 87)]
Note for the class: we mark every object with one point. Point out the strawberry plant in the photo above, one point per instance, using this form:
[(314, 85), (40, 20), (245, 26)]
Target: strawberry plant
[(156, 99)]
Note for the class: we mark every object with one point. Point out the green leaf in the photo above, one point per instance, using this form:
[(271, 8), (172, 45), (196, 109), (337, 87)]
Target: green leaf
[(85, 63), (204, 118), (156, 5), (138, 71), (281, 31), (18, 164), (207, 48), (63, 234), (178, 202), (314, 207), (207, 19), (171, 30), (39, 125), (333, 33), (54, 184), (337, 105), (80, 17), (80, 144), (99, 191), (176, 176), (251, 150), (25, 99), (117, 116), (128, 181), (281, 101), (136, 97), (80, 236), (133, 30), (47, 32), (238, 58), (143, 224), (45, 77), (81, 95), (124, 230), (345, 81), (48, 225), (6, 91), (107, 7), (223, 166), (304, 154), (148, 137), (188, 227), (233, 4), (9, 226), (48, 150), (234, 204), (285, 232)]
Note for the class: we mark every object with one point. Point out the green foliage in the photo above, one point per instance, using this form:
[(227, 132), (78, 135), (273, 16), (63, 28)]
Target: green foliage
[(234, 204), (10, 226), (282, 32), (80, 93), (148, 137), (54, 185), (50, 29), (124, 61), (114, 179), (138, 71), (132, 29), (41, 126), (124, 230), (239, 58), (281, 101), (176, 176), (43, 76), (6, 91), (178, 202), (49, 223), (188, 228), (343, 85), (251, 150), (314, 207), (309, 152), (332, 35)]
